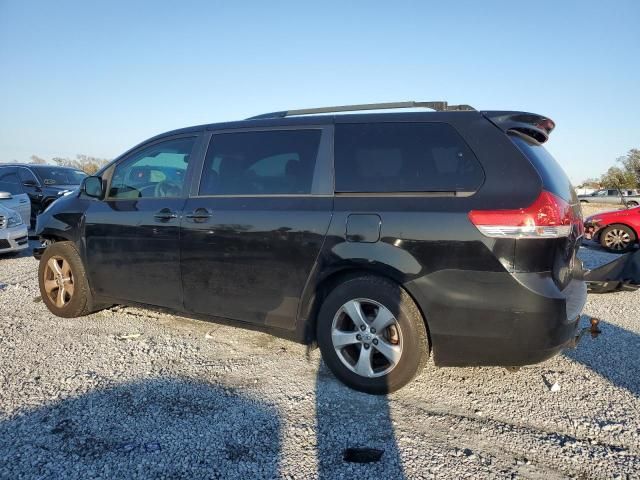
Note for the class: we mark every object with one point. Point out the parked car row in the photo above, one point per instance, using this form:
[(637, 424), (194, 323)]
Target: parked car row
[(43, 184), (384, 238), (25, 192)]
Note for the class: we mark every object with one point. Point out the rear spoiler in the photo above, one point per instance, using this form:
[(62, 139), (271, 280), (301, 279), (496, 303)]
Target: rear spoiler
[(529, 124)]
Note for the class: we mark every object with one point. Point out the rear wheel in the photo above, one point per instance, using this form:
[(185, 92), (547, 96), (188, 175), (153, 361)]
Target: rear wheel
[(63, 283), (632, 203), (618, 238), (372, 335)]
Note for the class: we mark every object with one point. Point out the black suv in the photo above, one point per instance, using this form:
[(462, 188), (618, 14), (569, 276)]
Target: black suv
[(43, 183), (383, 237)]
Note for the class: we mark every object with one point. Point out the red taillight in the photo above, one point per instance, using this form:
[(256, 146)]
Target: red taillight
[(548, 217)]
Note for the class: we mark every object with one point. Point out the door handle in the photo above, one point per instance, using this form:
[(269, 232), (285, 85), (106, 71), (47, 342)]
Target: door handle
[(23, 201), (199, 215), (165, 214)]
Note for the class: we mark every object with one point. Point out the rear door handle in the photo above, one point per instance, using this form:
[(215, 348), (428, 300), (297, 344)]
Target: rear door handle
[(165, 214), (24, 201), (199, 215)]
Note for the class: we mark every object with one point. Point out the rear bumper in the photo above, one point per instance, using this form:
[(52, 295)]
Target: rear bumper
[(14, 239), (497, 318)]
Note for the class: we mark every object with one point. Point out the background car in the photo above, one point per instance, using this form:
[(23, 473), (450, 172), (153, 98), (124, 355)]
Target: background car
[(617, 231), (43, 183), (612, 196), (19, 202), (13, 231)]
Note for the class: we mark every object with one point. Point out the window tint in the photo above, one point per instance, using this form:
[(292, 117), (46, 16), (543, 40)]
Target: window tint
[(403, 157), (553, 177), (60, 175), (9, 182), (156, 171), (27, 175), (261, 163)]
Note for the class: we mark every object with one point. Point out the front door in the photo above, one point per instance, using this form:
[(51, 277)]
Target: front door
[(255, 226), (133, 235)]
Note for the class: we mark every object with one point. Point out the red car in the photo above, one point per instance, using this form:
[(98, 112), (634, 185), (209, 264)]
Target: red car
[(617, 231)]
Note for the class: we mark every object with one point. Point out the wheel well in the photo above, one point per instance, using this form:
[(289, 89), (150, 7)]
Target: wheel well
[(330, 282), (54, 238)]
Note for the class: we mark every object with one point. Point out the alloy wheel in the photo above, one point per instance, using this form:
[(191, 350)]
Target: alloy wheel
[(58, 281), (366, 337)]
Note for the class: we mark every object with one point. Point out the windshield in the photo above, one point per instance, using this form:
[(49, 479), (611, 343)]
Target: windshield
[(60, 176)]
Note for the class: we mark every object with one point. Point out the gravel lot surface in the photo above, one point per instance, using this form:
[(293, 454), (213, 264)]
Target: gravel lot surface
[(135, 393)]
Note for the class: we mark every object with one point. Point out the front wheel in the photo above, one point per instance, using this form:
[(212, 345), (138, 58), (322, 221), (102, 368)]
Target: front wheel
[(372, 335), (618, 238), (63, 283)]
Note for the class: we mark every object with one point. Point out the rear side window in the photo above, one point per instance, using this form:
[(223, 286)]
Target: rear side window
[(404, 157), (554, 179), (9, 182), (261, 163)]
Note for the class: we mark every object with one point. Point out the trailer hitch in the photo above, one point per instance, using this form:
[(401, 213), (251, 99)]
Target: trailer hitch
[(593, 329)]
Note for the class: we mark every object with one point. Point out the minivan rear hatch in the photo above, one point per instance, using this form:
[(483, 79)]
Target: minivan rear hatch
[(528, 132)]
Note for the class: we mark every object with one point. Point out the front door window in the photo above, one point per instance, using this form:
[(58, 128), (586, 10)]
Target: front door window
[(157, 171)]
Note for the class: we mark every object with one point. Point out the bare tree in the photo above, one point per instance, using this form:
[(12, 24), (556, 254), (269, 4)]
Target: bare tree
[(86, 163), (37, 160)]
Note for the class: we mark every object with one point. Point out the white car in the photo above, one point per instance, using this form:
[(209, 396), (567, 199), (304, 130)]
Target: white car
[(13, 231), (19, 202)]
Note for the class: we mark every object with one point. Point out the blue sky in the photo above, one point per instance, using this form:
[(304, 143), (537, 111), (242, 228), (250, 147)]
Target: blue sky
[(98, 77)]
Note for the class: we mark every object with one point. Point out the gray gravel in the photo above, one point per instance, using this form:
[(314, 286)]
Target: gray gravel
[(136, 393)]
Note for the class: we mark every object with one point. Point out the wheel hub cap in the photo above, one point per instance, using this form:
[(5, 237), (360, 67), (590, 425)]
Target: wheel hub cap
[(367, 337), (617, 239)]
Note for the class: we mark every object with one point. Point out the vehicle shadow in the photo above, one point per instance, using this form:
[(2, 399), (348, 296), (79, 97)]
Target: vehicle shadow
[(355, 432), (347, 419), (169, 428), (614, 355)]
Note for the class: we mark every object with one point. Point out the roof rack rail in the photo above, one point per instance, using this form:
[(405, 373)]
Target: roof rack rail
[(437, 106)]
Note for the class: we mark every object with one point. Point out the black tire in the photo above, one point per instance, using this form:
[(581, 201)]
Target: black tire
[(80, 302), (409, 328), (632, 203), (618, 238), (584, 201)]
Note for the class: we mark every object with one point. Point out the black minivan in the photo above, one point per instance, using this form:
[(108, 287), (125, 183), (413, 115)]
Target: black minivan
[(383, 237)]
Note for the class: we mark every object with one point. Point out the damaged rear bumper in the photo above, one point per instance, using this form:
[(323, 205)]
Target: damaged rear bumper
[(623, 274)]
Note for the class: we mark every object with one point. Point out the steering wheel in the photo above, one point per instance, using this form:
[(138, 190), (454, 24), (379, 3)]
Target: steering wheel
[(166, 189)]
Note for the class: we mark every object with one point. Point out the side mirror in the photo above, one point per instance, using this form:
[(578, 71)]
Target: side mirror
[(92, 187), (30, 183), (5, 196)]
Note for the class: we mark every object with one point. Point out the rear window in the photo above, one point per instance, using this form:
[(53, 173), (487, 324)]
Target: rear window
[(554, 179), (273, 162), (404, 157)]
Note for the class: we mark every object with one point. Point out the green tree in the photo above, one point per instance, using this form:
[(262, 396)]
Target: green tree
[(631, 163), (617, 177)]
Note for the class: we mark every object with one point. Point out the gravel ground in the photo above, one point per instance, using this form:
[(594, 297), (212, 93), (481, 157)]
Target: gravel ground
[(135, 393)]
